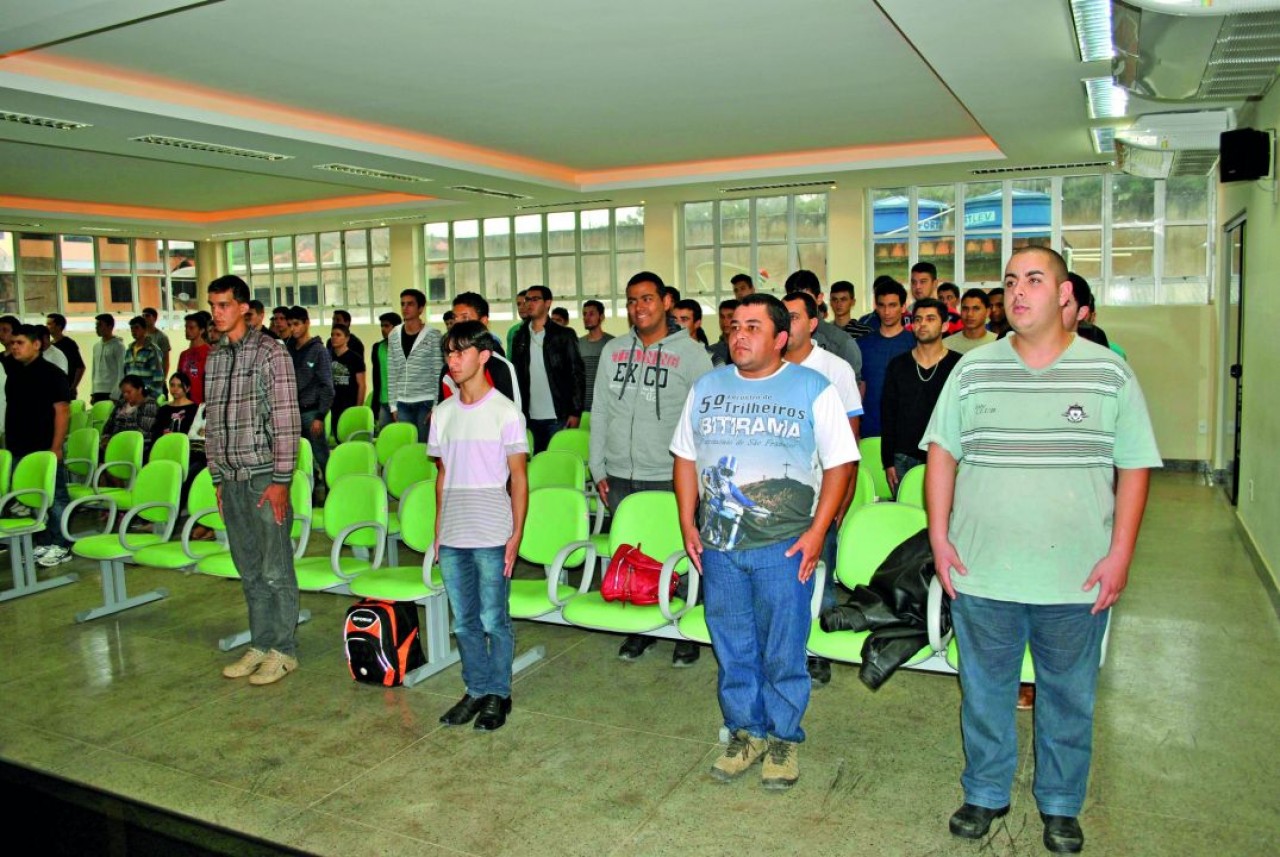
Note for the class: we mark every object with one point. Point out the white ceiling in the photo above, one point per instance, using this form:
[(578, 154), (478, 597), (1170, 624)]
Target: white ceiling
[(557, 100)]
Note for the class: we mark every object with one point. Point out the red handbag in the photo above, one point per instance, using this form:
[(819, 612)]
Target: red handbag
[(633, 576)]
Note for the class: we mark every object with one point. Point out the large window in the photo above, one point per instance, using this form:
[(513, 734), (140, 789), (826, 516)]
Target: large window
[(577, 254), (349, 270), (83, 275), (1137, 241), (765, 237)]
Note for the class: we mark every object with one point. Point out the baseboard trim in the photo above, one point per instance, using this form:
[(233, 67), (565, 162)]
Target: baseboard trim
[(1260, 565)]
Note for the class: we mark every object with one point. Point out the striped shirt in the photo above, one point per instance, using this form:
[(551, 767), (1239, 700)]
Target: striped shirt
[(473, 441)]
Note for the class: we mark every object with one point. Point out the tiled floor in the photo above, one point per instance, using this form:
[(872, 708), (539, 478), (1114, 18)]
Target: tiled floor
[(605, 758)]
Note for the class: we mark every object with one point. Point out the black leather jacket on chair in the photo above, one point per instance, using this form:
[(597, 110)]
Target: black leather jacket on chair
[(565, 371)]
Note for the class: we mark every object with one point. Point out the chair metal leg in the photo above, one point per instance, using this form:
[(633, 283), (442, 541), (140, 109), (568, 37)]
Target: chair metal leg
[(115, 597), (440, 651), (528, 659), (22, 562), (243, 638)]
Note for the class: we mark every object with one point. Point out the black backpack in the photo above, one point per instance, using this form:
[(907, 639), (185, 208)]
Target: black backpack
[(382, 642)]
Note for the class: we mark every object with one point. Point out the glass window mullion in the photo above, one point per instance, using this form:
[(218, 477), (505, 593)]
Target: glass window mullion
[(1105, 296), (1158, 228), (1006, 216), (913, 225), (957, 233)]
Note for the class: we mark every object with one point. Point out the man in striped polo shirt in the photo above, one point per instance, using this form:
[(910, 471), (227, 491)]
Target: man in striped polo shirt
[(1033, 538)]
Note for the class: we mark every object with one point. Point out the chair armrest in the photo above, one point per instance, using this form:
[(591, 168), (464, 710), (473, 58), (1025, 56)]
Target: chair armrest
[(933, 617), (170, 521), (556, 569), (107, 465), (304, 537), (37, 517), (819, 587), (92, 498), (70, 461), (193, 521), (664, 586), (360, 434), (428, 561), (340, 541)]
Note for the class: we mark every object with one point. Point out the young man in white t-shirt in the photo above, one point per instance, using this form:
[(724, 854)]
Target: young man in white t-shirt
[(478, 440)]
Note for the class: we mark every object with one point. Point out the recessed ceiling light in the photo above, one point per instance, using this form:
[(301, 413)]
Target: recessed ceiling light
[(42, 121), (365, 172), (1093, 29), (1104, 140), (1105, 99), (211, 148)]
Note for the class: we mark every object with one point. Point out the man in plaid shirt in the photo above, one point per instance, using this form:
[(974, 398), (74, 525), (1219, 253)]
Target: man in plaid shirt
[(251, 442)]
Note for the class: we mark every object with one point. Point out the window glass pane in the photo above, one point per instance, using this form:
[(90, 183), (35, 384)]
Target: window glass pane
[(941, 251), (595, 230), (984, 259), (357, 287), (1187, 198), (630, 228), (259, 255), (497, 280), (261, 289), (733, 261), (148, 254), (889, 211), (77, 294), (9, 293), (771, 219), (36, 254), (735, 221), (381, 293), (380, 245), (331, 249), (308, 288), (629, 264), (562, 272), (698, 228), (891, 259), (355, 244), (149, 291), (774, 267), (528, 235), (811, 217), (1187, 291), (1133, 252), (436, 236), (1082, 248), (282, 254), (560, 226), (305, 252), (1133, 199), (112, 257), (497, 237), (117, 296), (437, 284), (529, 273), (466, 277), (6, 252), (936, 210), (334, 292), (813, 257), (699, 272), (286, 289), (1082, 201), (597, 275), (1186, 251), (238, 257), (77, 252), (38, 295), (1131, 293), (983, 203)]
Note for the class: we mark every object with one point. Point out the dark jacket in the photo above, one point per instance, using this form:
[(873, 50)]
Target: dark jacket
[(313, 372), (565, 372), (375, 369)]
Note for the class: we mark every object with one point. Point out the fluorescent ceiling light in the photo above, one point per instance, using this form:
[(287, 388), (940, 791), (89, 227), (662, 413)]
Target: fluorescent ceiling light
[(1106, 100), (1104, 140), (1093, 29)]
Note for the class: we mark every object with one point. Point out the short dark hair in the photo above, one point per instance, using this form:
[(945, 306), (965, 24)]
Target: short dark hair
[(978, 295), (742, 278), (560, 312), (803, 281), (673, 292), (12, 320), (475, 301), (280, 310), (693, 306), (545, 291), (342, 314), (998, 290), (925, 268), (840, 287), (58, 319), (810, 305), (933, 304), (418, 297), (889, 286), (150, 312), (647, 277), (949, 287), (298, 313), (345, 329), (198, 319), (448, 316), (468, 334), (182, 378), (728, 303), (1080, 290), (522, 293), (391, 318), (134, 381), (138, 321), (231, 283), (30, 331), (258, 306), (593, 303), (104, 317), (775, 308)]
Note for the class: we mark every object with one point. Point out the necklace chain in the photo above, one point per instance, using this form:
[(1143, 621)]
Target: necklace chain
[(921, 375)]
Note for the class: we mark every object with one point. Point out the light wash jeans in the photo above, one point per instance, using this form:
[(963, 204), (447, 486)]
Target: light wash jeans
[(478, 594), (263, 555)]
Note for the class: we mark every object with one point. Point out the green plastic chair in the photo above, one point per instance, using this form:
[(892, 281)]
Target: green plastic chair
[(122, 459), (408, 466), (577, 441), (356, 423), (648, 520), (864, 490), (6, 470), (78, 420), (869, 534), (584, 422), (306, 463), (911, 487), (355, 517), (100, 413), (156, 493), (78, 406), (347, 459), (30, 484), (80, 454), (391, 438), (175, 447), (556, 538), (202, 509), (870, 449), (556, 468)]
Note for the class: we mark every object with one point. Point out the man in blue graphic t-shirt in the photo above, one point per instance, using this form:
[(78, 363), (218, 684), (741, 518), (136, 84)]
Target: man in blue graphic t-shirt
[(766, 447)]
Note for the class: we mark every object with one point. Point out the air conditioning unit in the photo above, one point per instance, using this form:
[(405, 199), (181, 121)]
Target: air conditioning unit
[(1183, 131)]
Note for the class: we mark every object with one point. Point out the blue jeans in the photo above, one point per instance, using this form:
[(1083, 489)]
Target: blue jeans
[(418, 413), (758, 615), (478, 594), (542, 431), (52, 532), (384, 416), (1066, 643), (829, 558), (263, 554), (319, 443)]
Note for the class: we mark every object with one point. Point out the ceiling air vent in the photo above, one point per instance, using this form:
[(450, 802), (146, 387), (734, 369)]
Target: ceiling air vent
[(1039, 168), (240, 233), (42, 121), (825, 183), (211, 148), (383, 221), (562, 204), (484, 191), (365, 172)]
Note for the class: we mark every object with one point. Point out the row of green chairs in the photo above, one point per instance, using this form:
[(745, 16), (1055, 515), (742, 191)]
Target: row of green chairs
[(911, 486), (30, 484)]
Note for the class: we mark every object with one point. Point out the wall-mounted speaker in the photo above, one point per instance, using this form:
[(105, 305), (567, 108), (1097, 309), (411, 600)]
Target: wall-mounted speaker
[(1244, 155)]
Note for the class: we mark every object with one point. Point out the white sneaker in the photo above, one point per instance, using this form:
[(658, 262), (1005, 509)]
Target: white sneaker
[(55, 555)]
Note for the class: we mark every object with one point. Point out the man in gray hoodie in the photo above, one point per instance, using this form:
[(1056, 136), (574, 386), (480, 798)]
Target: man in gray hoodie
[(642, 382)]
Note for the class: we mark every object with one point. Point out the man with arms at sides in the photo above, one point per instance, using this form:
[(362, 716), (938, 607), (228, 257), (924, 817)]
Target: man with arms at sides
[(591, 346), (522, 316), (997, 323), (498, 371), (341, 316), (842, 300), (645, 376), (742, 286), (252, 433), (763, 454), (108, 360), (414, 364), (57, 324), (827, 335), (142, 358), (720, 350), (51, 354), (348, 374), (802, 351), (912, 384), (191, 362), (549, 369), (387, 322), (161, 342), (974, 307), (313, 379), (478, 441), (885, 342), (1033, 537), (924, 284)]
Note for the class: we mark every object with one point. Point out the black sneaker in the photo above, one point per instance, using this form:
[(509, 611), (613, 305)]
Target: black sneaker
[(635, 646), (686, 654), (819, 671)]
